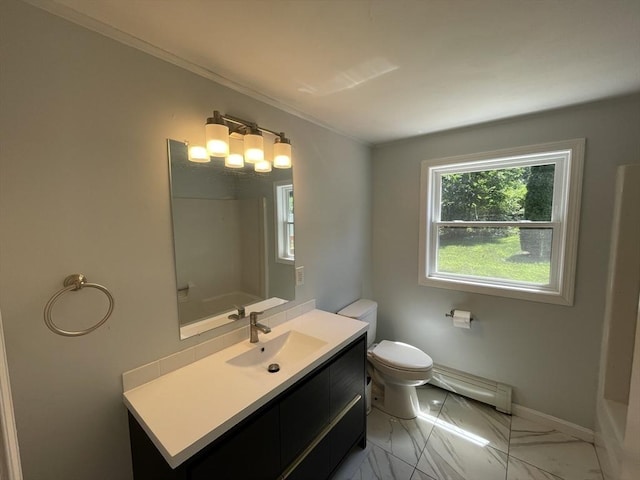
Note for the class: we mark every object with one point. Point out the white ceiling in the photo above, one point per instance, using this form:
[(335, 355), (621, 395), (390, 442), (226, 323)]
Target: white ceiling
[(379, 70)]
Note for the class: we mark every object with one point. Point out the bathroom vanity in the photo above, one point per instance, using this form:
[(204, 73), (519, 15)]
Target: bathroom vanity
[(227, 417)]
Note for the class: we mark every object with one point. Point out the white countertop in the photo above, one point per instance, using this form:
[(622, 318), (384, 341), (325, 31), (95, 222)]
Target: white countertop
[(185, 410)]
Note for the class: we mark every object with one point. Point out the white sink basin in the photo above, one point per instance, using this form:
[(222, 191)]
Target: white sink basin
[(284, 350)]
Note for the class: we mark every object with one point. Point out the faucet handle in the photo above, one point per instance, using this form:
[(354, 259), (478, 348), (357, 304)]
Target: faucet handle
[(254, 316), (239, 315)]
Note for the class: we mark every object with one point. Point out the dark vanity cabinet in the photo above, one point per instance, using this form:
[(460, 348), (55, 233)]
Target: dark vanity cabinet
[(343, 415), (303, 434)]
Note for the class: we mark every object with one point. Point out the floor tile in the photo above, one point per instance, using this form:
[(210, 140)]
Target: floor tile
[(479, 419), (431, 399), (403, 438), (351, 464), (553, 451), (418, 475), (381, 465), (519, 470), (451, 456), (454, 439)]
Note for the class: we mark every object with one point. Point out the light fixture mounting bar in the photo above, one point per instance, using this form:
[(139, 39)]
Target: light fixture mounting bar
[(250, 125)]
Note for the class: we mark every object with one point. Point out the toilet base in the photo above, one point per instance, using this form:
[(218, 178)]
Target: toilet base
[(396, 400)]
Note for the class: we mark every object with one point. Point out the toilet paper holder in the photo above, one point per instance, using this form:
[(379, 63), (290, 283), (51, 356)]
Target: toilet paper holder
[(451, 315)]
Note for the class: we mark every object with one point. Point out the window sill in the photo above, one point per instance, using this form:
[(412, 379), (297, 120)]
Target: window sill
[(285, 261), (530, 293)]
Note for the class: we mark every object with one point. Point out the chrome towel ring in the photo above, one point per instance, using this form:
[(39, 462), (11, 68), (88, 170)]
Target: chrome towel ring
[(77, 281)]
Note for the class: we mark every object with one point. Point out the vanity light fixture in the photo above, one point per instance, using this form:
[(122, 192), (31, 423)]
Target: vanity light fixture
[(254, 146), (217, 136), (282, 152), (263, 166), (240, 141), (235, 158), (198, 154)]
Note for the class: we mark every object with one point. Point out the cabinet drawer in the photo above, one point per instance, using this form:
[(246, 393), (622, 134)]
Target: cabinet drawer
[(347, 377), (251, 453), (303, 414), (347, 432), (317, 465), (327, 450)]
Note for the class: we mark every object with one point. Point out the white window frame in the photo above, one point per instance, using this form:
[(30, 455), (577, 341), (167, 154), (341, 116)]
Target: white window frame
[(281, 195), (568, 156)]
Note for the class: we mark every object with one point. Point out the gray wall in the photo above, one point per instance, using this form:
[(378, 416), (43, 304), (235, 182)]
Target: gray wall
[(84, 188), (548, 353)]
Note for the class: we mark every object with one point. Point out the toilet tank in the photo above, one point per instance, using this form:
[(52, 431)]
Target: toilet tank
[(366, 311)]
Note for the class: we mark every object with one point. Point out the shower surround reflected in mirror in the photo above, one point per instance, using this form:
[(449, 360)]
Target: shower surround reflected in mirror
[(226, 235)]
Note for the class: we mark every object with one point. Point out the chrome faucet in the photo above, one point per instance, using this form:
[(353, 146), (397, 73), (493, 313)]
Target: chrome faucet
[(254, 326), (239, 315)]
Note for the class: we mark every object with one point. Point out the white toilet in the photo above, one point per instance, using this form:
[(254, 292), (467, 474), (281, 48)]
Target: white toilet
[(396, 368)]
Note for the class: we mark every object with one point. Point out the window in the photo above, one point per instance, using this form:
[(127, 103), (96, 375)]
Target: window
[(503, 223), (284, 222)]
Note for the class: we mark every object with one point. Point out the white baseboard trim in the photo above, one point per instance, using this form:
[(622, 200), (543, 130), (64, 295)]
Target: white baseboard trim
[(556, 423)]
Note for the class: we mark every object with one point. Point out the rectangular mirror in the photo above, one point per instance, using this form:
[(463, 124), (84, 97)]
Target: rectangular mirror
[(233, 239)]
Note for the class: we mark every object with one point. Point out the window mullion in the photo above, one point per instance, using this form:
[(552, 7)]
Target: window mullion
[(472, 224)]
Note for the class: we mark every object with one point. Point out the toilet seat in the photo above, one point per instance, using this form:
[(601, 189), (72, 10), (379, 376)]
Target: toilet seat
[(401, 356)]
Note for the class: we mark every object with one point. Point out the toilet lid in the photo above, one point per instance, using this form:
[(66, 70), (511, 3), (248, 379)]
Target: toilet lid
[(401, 355)]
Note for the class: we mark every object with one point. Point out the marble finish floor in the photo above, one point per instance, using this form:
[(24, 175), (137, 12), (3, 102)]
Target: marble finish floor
[(456, 438)]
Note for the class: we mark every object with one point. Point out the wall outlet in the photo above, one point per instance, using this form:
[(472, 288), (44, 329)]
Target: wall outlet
[(299, 276)]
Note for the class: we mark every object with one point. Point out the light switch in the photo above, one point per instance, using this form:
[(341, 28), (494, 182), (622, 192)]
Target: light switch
[(299, 276)]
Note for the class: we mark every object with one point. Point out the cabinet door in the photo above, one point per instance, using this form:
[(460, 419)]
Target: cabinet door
[(250, 453), (303, 414)]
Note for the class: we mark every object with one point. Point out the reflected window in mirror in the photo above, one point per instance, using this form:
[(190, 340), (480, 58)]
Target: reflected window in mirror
[(225, 240), (284, 222)]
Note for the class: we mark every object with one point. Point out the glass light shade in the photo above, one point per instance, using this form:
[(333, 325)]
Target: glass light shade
[(198, 154), (282, 155), (262, 166), (253, 148), (217, 139), (235, 158)]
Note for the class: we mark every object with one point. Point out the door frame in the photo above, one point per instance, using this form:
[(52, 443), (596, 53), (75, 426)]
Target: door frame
[(10, 466)]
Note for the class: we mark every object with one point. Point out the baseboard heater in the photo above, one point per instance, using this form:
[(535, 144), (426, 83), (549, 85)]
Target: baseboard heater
[(478, 388)]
